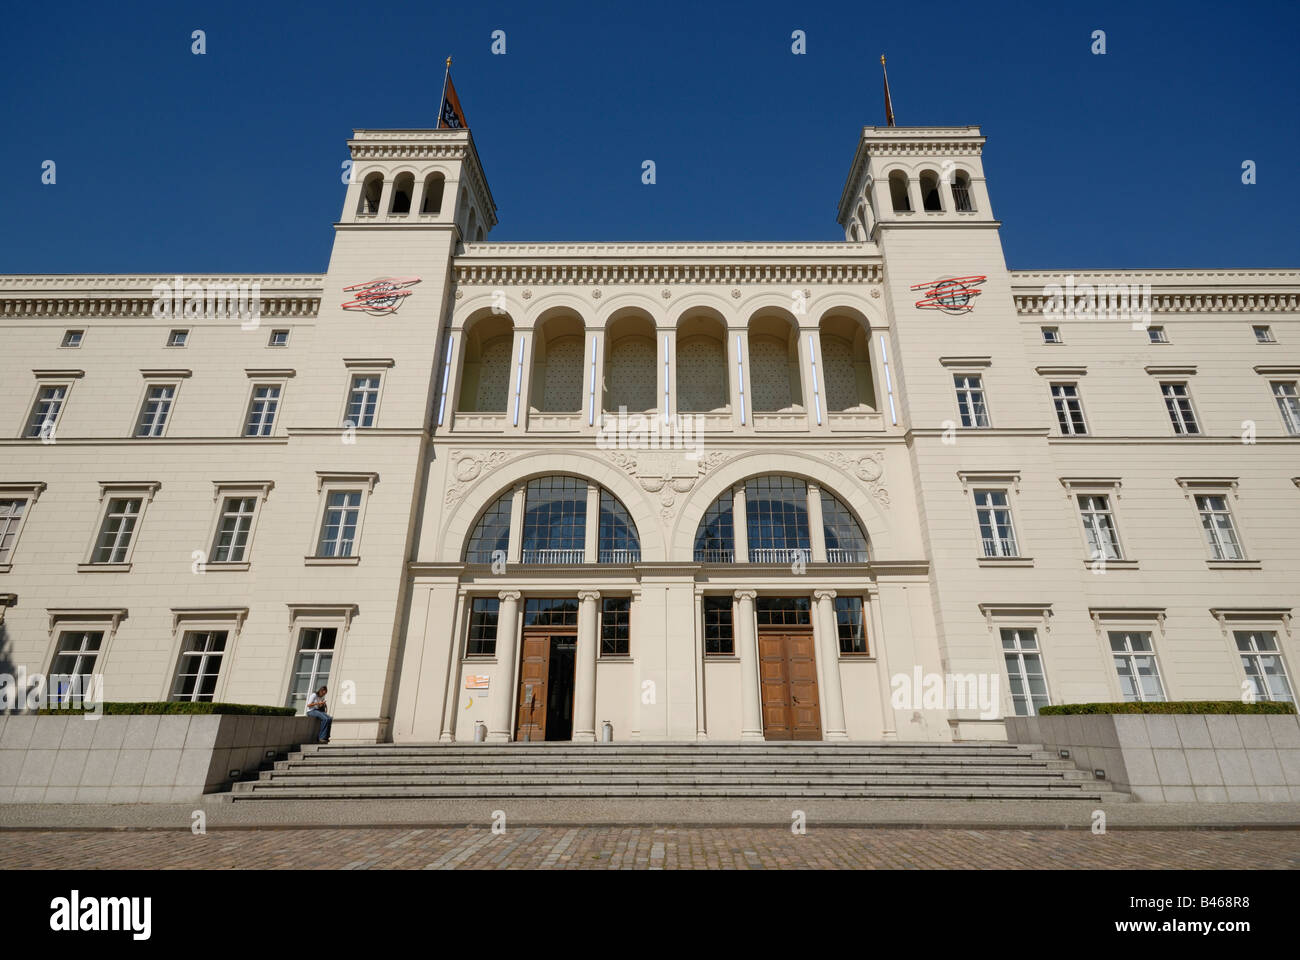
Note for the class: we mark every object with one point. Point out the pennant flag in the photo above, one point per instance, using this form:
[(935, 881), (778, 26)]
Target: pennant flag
[(889, 104), (451, 116)]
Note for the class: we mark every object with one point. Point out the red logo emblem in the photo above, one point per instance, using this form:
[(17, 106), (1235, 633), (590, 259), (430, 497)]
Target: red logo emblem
[(951, 294), (380, 296)]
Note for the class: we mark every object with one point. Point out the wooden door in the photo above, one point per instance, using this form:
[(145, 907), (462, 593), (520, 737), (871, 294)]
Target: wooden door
[(788, 674), (534, 669)]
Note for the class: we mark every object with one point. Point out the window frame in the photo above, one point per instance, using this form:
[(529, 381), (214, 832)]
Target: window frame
[(296, 655), (270, 340), (1176, 424), (715, 601), (81, 339), (49, 379), (314, 615), (331, 483), (615, 654), (109, 492), (264, 378), (28, 493), (488, 600), (1278, 650), (1266, 329), (863, 600), (184, 332), (1110, 512), (82, 620), (151, 380), (1290, 421), (222, 491), (1006, 490), (981, 389), (1128, 654), (1019, 651), (1058, 403), (1056, 332), (357, 368), (1157, 334)]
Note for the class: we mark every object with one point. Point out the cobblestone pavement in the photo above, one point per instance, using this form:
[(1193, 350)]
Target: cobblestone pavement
[(744, 848)]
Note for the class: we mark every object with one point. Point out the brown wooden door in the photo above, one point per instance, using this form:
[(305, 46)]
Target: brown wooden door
[(530, 721), (788, 674)]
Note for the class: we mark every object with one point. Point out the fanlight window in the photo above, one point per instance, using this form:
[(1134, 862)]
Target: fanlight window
[(776, 518), (554, 528)]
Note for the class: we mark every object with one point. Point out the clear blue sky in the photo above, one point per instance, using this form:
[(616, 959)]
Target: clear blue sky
[(230, 161)]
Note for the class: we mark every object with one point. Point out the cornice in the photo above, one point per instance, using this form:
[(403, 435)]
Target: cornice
[(129, 296), (428, 145), (1172, 291)]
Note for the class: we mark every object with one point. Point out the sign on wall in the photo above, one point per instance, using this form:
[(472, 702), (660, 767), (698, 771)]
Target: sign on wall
[(380, 296), (949, 294)]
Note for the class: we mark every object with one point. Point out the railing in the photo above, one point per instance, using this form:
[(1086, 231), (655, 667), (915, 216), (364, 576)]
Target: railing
[(961, 198), (715, 556), (999, 547), (845, 555), (620, 556), (553, 555), (779, 554)]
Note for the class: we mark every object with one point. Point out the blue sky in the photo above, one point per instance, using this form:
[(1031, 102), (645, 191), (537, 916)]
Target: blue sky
[(230, 161)]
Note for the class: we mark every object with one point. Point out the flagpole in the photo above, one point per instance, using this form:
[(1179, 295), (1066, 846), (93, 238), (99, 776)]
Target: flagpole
[(443, 98), (889, 101)]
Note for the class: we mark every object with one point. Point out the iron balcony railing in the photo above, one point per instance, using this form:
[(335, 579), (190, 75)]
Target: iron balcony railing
[(845, 555), (999, 547), (623, 555), (715, 556), (961, 198), (779, 554), (553, 555)]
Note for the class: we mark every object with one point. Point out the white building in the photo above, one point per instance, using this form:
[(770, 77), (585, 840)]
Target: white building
[(836, 480)]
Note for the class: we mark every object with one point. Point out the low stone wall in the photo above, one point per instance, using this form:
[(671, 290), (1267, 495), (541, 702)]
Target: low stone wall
[(137, 759), (1218, 758)]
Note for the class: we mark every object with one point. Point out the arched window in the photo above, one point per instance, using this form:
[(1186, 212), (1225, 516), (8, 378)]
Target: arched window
[(433, 186), (702, 373), (778, 525), (898, 192), (403, 189), (478, 235), (372, 188), (961, 195), (554, 528), (472, 225), (930, 199)]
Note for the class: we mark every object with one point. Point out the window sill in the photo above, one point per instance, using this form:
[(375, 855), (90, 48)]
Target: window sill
[(236, 565), (615, 658), (1235, 564), (721, 658), (1111, 564), (6, 567), (331, 561), (480, 659), (857, 658), (1006, 561), (103, 567)]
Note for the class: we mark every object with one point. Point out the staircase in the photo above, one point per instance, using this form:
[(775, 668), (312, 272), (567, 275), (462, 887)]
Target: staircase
[(958, 771)]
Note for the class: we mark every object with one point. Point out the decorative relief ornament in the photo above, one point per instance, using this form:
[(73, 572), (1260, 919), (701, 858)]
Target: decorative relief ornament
[(468, 465), (735, 293), (595, 294), (868, 468), (875, 293), (667, 474), (666, 293), (528, 294), (460, 294)]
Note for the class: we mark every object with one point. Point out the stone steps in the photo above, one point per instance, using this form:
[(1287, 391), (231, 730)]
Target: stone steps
[(972, 771)]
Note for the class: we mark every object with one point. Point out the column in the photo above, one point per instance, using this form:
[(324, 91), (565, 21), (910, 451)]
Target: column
[(816, 525), (877, 643), (520, 383), (828, 652), (701, 728), (500, 729), (751, 716), (584, 683), (740, 523), (666, 381), (593, 381), (591, 534), (514, 546)]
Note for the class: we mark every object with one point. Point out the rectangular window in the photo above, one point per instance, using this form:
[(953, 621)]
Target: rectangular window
[(970, 401), (1288, 404), (1220, 532), (1178, 401), (200, 665), (233, 528), (363, 400), (1069, 409), (551, 612), (1265, 671), (1099, 527), (73, 338), (73, 667), (11, 518), (45, 414), (279, 338), (1024, 671), (996, 532), (850, 625), (1264, 334), (1135, 663), (339, 528), (615, 626), (262, 409), (1051, 335), (157, 405), (178, 338), (783, 611), (311, 669), (719, 637), (1157, 335), (117, 531), (482, 640)]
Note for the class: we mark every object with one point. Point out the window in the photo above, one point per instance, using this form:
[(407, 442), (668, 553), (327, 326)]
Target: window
[(1288, 404), (117, 530), (715, 539), (719, 636), (1178, 401), (363, 400), (11, 521), (1216, 521), (157, 405), (73, 338), (1024, 671), (783, 611), (1052, 335), (492, 532), (551, 612), (261, 410), (555, 518), (1135, 663), (1265, 671), (199, 666), (961, 198), (177, 338), (930, 199), (338, 530), (1069, 409), (845, 541), (279, 338), (615, 626), (73, 667), (850, 625), (45, 413), (776, 514), (1264, 334), (619, 542), (993, 510), (233, 529), (970, 401), (898, 193), (1157, 335), (311, 669), (1099, 527), (482, 639)]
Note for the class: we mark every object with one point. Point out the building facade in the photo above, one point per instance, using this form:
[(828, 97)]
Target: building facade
[(884, 488)]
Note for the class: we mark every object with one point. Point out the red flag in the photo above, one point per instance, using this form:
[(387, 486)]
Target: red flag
[(451, 115)]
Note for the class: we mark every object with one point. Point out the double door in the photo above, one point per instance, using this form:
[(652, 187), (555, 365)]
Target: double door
[(787, 667), (546, 671)]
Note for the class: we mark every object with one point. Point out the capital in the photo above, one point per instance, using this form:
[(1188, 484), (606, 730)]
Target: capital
[(509, 595)]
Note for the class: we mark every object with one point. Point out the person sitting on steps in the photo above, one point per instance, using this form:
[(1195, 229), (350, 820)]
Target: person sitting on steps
[(316, 708)]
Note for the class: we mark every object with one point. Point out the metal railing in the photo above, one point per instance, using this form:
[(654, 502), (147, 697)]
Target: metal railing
[(845, 555), (715, 556), (961, 198), (620, 556), (779, 554), (999, 547), (553, 555)]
